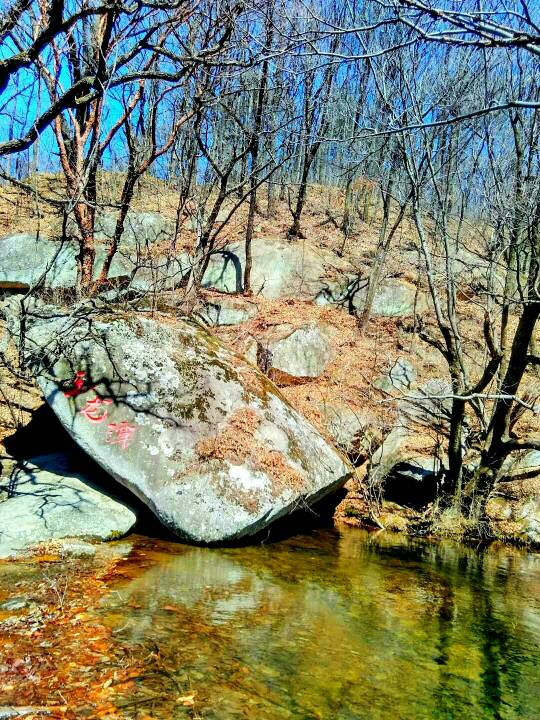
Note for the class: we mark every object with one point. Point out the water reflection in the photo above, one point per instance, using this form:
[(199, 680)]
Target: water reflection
[(339, 626)]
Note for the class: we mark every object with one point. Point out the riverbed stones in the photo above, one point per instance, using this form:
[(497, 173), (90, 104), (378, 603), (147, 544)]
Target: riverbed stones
[(48, 500), (197, 433)]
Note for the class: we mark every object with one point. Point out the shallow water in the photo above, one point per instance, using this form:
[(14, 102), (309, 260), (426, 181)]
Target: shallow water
[(334, 625)]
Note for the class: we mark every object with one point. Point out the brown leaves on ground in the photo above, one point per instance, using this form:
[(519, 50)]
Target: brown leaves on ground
[(58, 658)]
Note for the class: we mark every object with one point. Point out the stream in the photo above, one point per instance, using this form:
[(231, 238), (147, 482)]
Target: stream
[(331, 625), (340, 625)]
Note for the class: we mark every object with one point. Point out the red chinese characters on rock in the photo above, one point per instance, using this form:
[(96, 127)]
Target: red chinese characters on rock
[(120, 434), (79, 382), (94, 411)]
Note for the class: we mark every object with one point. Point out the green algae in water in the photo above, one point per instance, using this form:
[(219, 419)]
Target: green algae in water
[(337, 626)]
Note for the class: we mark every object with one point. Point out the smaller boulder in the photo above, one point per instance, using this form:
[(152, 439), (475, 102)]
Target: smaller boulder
[(399, 378), (429, 404), (342, 424), (516, 518), (391, 452), (48, 500), (26, 258), (521, 465), (394, 298), (357, 432), (228, 311), (302, 355)]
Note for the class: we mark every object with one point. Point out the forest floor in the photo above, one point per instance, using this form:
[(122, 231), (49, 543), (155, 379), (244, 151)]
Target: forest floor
[(57, 659)]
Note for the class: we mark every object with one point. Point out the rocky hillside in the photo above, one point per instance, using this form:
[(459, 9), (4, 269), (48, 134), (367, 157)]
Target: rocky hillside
[(378, 393)]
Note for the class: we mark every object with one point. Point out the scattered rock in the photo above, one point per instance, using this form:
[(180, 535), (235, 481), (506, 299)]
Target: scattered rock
[(14, 604), (48, 501), (399, 378), (25, 259), (7, 712), (280, 269), (202, 437), (515, 517), (228, 311), (76, 548), (304, 354)]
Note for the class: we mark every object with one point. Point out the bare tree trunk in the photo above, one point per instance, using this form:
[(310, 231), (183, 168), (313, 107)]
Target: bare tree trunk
[(254, 154), (501, 442)]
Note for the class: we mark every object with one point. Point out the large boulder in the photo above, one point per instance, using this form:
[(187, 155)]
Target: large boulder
[(26, 259), (145, 273), (46, 499), (197, 433), (280, 269)]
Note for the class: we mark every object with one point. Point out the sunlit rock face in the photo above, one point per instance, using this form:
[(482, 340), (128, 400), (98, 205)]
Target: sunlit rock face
[(27, 259), (280, 269), (197, 433), (46, 499), (141, 229)]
